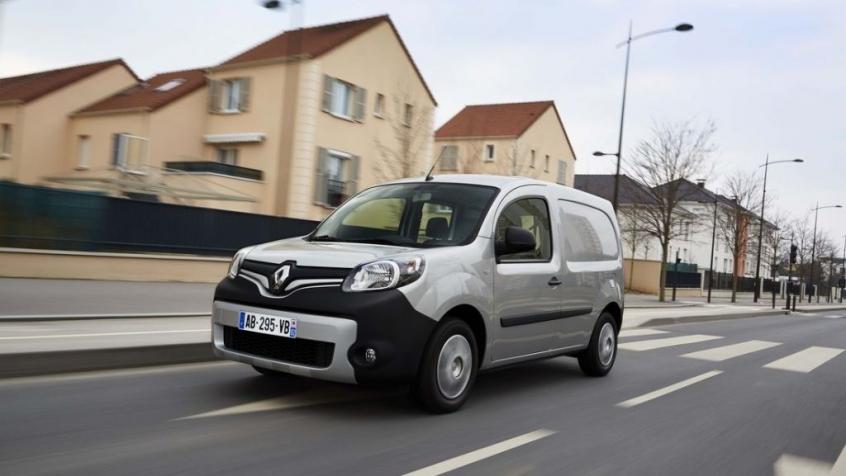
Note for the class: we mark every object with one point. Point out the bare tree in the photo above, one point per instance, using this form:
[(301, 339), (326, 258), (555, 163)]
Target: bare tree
[(664, 163), (410, 123), (735, 222)]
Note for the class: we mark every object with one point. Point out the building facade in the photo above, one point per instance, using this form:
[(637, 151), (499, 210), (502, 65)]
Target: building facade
[(694, 227), (526, 139), (35, 110)]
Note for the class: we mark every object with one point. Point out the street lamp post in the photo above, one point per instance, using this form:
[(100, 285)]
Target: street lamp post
[(814, 246), (713, 243), (766, 166), (681, 27)]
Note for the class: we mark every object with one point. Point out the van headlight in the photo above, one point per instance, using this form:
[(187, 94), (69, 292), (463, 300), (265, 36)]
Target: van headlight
[(237, 260), (384, 274)]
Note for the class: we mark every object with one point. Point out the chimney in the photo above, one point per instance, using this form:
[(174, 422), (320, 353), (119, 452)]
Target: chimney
[(700, 182)]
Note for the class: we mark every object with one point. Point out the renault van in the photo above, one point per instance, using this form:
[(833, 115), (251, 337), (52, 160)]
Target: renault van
[(428, 282)]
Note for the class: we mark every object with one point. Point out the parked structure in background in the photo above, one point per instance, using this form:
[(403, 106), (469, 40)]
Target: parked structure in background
[(290, 127), (527, 139), (694, 225), (34, 110)]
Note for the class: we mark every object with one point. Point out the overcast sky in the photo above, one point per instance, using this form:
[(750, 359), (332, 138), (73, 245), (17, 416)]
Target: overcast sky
[(770, 73)]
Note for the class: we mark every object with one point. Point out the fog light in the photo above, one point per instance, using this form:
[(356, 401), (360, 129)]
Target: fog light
[(370, 355)]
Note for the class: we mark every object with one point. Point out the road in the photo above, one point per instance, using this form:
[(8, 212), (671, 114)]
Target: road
[(729, 397)]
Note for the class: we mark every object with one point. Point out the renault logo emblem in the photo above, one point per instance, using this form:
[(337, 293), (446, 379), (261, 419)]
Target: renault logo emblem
[(280, 276)]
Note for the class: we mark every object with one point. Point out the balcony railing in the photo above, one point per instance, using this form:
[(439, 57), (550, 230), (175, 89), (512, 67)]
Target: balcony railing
[(204, 166)]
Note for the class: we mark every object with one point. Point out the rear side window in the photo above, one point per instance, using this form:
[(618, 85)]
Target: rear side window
[(588, 233), (533, 215)]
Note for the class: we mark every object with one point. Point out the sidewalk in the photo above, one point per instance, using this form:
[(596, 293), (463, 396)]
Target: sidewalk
[(41, 298), (39, 335)]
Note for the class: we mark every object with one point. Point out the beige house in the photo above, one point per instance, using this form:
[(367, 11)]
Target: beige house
[(34, 112), (526, 139), (147, 141), (321, 112)]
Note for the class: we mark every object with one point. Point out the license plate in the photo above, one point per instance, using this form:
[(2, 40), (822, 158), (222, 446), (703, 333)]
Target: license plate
[(264, 324)]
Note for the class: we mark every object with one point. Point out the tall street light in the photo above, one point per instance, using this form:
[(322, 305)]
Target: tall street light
[(766, 166), (681, 27), (814, 245)]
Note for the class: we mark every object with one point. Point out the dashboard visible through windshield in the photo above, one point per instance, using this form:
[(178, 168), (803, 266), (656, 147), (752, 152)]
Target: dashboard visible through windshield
[(411, 214)]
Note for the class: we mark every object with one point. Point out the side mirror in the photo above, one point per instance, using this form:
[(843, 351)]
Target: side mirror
[(517, 240)]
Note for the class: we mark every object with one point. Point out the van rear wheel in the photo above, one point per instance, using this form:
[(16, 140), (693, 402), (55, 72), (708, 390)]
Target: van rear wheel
[(448, 368), (599, 357)]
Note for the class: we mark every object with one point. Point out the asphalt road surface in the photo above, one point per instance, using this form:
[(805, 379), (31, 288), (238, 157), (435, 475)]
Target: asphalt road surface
[(745, 397)]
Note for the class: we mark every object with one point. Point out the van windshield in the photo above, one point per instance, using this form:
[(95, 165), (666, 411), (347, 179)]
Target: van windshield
[(410, 214)]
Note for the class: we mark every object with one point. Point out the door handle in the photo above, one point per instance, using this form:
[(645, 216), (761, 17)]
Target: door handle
[(554, 281)]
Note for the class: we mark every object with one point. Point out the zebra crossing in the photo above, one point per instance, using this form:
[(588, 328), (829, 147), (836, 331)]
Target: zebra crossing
[(802, 361)]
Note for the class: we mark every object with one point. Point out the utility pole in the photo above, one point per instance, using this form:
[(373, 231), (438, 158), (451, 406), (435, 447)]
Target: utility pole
[(713, 243)]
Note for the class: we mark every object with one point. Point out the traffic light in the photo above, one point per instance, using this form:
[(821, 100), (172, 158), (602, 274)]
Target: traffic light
[(793, 249)]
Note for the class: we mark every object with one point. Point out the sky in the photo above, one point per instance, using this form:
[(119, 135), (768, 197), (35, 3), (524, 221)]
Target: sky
[(770, 73)]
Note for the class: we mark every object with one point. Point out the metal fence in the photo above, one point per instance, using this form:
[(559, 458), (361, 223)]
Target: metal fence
[(683, 279), (45, 218)]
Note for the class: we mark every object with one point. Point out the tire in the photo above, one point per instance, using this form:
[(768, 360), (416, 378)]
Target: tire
[(595, 361), (451, 346)]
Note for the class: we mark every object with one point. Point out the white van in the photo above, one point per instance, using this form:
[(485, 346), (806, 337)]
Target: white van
[(429, 281)]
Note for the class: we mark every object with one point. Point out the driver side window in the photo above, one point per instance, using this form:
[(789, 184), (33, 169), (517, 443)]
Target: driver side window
[(531, 214)]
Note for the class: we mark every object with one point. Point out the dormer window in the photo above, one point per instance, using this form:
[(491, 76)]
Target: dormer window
[(173, 83)]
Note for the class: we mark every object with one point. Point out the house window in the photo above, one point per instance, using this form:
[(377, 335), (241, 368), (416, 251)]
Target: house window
[(120, 143), (336, 178), (6, 141), (228, 95), (227, 155), (173, 83), (83, 152), (449, 157), (408, 115), (562, 172), (379, 106), (532, 159), (343, 99), (489, 153), (546, 163)]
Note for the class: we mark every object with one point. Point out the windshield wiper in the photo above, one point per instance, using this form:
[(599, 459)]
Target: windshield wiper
[(323, 238)]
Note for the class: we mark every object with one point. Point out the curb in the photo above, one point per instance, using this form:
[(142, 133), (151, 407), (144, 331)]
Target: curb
[(87, 317), (43, 363), (665, 321)]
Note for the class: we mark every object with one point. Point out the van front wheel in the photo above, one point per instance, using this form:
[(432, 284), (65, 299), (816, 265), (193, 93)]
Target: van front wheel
[(599, 357), (448, 368)]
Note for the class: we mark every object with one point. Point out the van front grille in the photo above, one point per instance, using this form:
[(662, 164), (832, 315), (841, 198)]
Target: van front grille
[(312, 353)]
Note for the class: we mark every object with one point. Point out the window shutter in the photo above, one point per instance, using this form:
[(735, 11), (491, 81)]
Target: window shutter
[(214, 95), (327, 93), (244, 98), (360, 104), (562, 171), (320, 177), (352, 176)]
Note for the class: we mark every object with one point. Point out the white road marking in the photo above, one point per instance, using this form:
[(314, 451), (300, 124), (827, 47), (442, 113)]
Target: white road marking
[(837, 316), (668, 389), (789, 465), (640, 332), (318, 396), (805, 360), (105, 334), (666, 342), (719, 354), (480, 454)]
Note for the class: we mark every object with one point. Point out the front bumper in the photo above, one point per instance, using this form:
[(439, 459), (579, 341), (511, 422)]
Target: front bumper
[(382, 320), (340, 332)]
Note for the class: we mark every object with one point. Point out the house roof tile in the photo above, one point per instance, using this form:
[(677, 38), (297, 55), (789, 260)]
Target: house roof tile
[(145, 95), (493, 120), (29, 87)]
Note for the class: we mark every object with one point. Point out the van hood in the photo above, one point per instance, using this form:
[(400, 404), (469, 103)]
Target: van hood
[(322, 254)]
